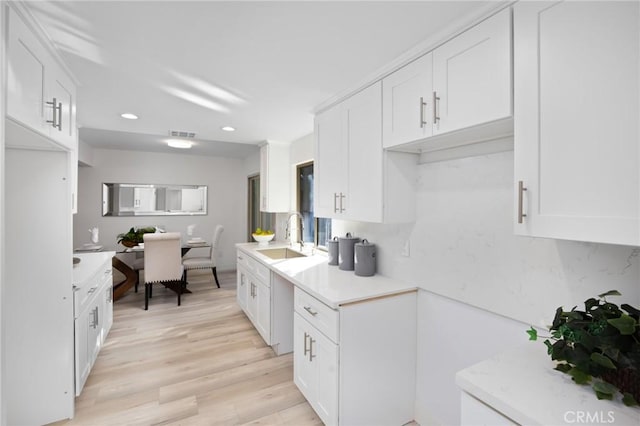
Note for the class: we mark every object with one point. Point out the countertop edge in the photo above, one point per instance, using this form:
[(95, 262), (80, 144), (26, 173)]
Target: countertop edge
[(396, 287)]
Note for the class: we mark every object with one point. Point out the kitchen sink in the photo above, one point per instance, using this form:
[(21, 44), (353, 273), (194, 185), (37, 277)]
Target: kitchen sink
[(281, 253)]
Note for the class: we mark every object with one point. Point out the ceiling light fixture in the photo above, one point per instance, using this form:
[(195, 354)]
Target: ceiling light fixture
[(129, 116), (228, 129), (175, 143)]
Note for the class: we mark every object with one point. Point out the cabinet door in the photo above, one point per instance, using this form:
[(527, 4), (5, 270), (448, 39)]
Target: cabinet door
[(303, 374), (107, 298), (576, 124), (252, 301), (274, 177), (363, 114), (330, 164), (26, 76), (263, 314), (324, 353), (60, 88), (82, 360), (407, 103), (472, 75), (242, 288), (315, 369)]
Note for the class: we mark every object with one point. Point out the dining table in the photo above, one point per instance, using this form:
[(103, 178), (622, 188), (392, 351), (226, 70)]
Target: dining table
[(121, 288)]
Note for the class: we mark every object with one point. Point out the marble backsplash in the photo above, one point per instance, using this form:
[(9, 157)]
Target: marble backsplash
[(462, 246)]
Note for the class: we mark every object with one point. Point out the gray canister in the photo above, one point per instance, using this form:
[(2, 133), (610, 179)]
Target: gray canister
[(346, 251), (332, 247), (365, 259)]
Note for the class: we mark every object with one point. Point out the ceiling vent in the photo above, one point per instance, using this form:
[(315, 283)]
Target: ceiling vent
[(181, 134)]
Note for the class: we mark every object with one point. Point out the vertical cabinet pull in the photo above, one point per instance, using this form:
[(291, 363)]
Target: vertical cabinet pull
[(521, 189), (342, 196), (311, 342), (335, 202), (306, 348), (436, 102), (56, 117), (423, 104)]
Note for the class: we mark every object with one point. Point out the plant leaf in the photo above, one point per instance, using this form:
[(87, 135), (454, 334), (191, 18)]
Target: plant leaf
[(629, 400), (604, 388), (579, 376), (626, 325), (603, 361), (602, 395), (533, 333), (563, 367), (610, 293)]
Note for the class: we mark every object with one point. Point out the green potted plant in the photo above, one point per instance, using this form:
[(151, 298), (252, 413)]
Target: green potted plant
[(598, 345), (134, 236)]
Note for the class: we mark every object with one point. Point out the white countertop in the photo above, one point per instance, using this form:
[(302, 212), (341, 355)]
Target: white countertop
[(327, 283), (89, 263), (523, 385)]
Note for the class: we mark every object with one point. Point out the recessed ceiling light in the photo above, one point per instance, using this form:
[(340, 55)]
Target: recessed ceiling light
[(176, 143), (228, 129), (129, 116)]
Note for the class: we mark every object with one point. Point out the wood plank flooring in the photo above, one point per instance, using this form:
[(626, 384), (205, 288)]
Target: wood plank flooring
[(202, 363)]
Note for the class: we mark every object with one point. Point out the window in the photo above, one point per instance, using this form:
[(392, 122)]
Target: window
[(316, 230), (256, 218)]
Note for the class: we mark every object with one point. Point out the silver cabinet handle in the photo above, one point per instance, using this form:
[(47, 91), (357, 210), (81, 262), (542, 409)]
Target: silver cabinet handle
[(306, 349), (59, 117), (436, 101), (342, 197), (335, 202), (57, 107), (311, 355), (422, 105), (311, 311), (521, 189)]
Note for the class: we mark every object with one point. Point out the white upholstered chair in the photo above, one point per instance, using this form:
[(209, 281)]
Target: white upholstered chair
[(163, 263), (205, 262)]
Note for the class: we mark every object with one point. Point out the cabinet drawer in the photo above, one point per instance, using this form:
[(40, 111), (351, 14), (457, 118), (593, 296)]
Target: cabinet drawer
[(255, 267), (317, 313)]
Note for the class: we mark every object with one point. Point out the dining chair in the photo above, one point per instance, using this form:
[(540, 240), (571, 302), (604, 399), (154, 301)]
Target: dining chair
[(137, 266), (163, 264), (206, 262)]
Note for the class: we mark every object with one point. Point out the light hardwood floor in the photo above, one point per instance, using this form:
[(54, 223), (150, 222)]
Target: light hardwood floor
[(202, 363)]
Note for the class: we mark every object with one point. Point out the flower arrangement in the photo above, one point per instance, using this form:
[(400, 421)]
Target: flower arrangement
[(598, 345), (134, 236)]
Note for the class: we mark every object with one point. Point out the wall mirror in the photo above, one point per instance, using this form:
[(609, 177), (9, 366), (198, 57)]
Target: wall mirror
[(132, 199)]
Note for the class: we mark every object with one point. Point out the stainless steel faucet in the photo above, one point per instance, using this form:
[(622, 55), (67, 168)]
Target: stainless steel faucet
[(300, 229)]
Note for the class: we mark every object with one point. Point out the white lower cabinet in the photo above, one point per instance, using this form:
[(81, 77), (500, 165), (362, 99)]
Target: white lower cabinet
[(315, 360), (267, 300), (356, 364), (93, 307), (474, 412)]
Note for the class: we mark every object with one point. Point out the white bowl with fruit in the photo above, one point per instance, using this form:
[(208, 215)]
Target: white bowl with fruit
[(263, 236)]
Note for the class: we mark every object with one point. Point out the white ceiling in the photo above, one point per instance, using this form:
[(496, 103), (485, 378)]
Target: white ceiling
[(261, 67)]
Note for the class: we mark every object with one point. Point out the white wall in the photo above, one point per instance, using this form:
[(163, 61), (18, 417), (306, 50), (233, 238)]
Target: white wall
[(494, 283), (227, 196), (3, 417)]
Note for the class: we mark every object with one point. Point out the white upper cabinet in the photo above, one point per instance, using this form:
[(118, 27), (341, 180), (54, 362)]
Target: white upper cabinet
[(466, 83), (40, 95), (577, 156), (472, 76), (407, 108), (355, 178), (363, 133), (274, 177), (330, 163)]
